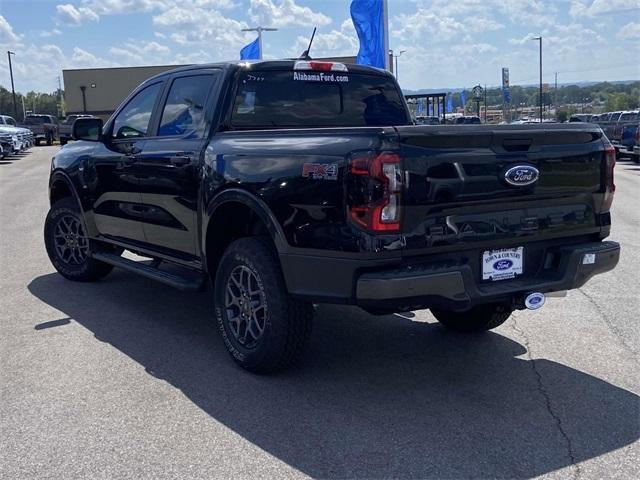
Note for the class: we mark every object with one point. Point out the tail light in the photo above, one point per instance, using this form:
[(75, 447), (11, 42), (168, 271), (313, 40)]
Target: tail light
[(609, 185), (320, 66), (375, 190)]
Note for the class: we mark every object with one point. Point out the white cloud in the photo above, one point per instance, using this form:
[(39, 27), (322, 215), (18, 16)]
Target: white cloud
[(7, 35), (595, 8), (331, 44), (631, 31), (473, 48), (200, 27), (286, 13), (50, 33), (67, 14), (144, 53)]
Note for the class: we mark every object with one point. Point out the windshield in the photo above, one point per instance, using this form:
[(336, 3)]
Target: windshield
[(35, 120), (628, 117), (316, 99)]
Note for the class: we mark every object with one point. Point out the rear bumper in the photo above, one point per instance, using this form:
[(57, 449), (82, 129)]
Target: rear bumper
[(442, 284)]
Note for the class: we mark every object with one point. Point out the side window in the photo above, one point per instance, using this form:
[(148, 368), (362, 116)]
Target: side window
[(11, 121), (183, 112), (133, 120)]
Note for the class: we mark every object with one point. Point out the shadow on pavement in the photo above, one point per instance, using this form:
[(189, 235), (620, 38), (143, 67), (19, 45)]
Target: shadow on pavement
[(374, 397)]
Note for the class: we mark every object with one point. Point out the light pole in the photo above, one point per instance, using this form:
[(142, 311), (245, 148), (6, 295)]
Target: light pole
[(396, 57), (260, 29), (540, 40), (13, 90)]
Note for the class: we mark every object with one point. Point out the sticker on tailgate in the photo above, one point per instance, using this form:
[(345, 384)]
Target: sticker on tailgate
[(501, 264)]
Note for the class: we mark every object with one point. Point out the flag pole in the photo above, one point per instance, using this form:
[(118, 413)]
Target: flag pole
[(385, 21)]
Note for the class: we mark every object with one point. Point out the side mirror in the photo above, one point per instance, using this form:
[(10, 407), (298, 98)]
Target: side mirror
[(89, 129)]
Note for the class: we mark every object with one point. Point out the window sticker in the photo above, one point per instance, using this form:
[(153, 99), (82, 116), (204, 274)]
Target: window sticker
[(320, 77)]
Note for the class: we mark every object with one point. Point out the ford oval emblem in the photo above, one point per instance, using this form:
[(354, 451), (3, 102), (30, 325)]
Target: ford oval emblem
[(502, 264), (521, 175)]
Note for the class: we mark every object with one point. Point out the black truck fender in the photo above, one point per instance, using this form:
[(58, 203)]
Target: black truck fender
[(255, 205), (61, 186)]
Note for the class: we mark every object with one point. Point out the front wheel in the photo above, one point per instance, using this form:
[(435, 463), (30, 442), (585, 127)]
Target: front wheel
[(477, 319), (263, 327), (68, 246)]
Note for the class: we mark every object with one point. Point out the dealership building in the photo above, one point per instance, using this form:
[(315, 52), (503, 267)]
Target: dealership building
[(99, 91)]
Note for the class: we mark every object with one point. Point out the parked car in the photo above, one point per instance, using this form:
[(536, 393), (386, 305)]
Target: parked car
[(427, 120), (624, 127), (337, 198), (66, 127), (629, 127), (580, 117), (467, 120), (609, 124), (43, 127), (21, 138)]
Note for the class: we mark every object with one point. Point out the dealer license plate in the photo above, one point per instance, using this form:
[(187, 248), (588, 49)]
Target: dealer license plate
[(501, 264)]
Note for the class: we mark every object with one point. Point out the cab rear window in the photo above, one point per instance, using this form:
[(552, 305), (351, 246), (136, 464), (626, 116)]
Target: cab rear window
[(275, 99)]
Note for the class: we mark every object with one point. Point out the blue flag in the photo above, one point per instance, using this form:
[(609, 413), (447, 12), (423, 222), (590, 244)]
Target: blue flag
[(368, 20), (463, 100), (449, 103), (251, 51)]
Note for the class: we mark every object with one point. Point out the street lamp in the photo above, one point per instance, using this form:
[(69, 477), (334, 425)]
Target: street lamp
[(540, 40), (396, 57), (13, 90)]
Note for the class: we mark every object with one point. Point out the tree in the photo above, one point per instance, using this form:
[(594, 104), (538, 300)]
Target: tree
[(562, 116)]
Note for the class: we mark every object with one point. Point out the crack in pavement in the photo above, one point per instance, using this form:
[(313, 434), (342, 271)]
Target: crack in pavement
[(547, 399), (616, 332)]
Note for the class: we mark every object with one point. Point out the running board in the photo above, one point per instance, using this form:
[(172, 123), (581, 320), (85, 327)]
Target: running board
[(195, 284)]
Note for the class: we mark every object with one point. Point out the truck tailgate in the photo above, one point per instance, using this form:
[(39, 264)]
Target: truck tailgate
[(456, 194)]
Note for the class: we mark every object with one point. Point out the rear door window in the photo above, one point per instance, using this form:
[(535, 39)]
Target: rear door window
[(183, 111), (273, 99)]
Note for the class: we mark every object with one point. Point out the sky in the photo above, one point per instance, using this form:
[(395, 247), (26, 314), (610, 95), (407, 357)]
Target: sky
[(447, 43)]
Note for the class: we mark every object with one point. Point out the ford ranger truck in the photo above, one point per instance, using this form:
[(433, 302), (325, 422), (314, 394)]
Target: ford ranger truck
[(284, 184)]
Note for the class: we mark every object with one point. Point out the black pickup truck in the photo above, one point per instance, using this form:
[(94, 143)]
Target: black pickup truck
[(289, 183)]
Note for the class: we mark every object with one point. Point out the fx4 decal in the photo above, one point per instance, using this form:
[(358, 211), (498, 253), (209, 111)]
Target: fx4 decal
[(320, 171)]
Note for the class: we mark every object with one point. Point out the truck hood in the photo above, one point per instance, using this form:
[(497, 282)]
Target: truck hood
[(13, 130)]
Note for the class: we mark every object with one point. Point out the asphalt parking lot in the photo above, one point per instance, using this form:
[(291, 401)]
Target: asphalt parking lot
[(127, 378)]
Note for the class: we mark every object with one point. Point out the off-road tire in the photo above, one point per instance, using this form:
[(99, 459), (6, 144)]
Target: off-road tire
[(286, 324), (85, 269), (478, 319)]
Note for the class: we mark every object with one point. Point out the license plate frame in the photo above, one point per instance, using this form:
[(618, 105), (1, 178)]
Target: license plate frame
[(502, 264)]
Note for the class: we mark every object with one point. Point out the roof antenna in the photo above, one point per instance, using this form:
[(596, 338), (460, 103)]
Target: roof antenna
[(305, 54)]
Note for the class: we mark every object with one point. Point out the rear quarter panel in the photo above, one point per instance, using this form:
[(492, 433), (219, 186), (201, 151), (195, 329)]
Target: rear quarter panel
[(270, 164)]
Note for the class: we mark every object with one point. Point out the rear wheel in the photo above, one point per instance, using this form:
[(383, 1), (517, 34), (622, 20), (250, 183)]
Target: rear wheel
[(477, 319), (37, 142), (263, 327), (68, 246)]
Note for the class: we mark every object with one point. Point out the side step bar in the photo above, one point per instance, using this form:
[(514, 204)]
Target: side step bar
[(183, 283)]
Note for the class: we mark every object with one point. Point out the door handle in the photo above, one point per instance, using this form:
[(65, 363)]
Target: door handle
[(180, 160)]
